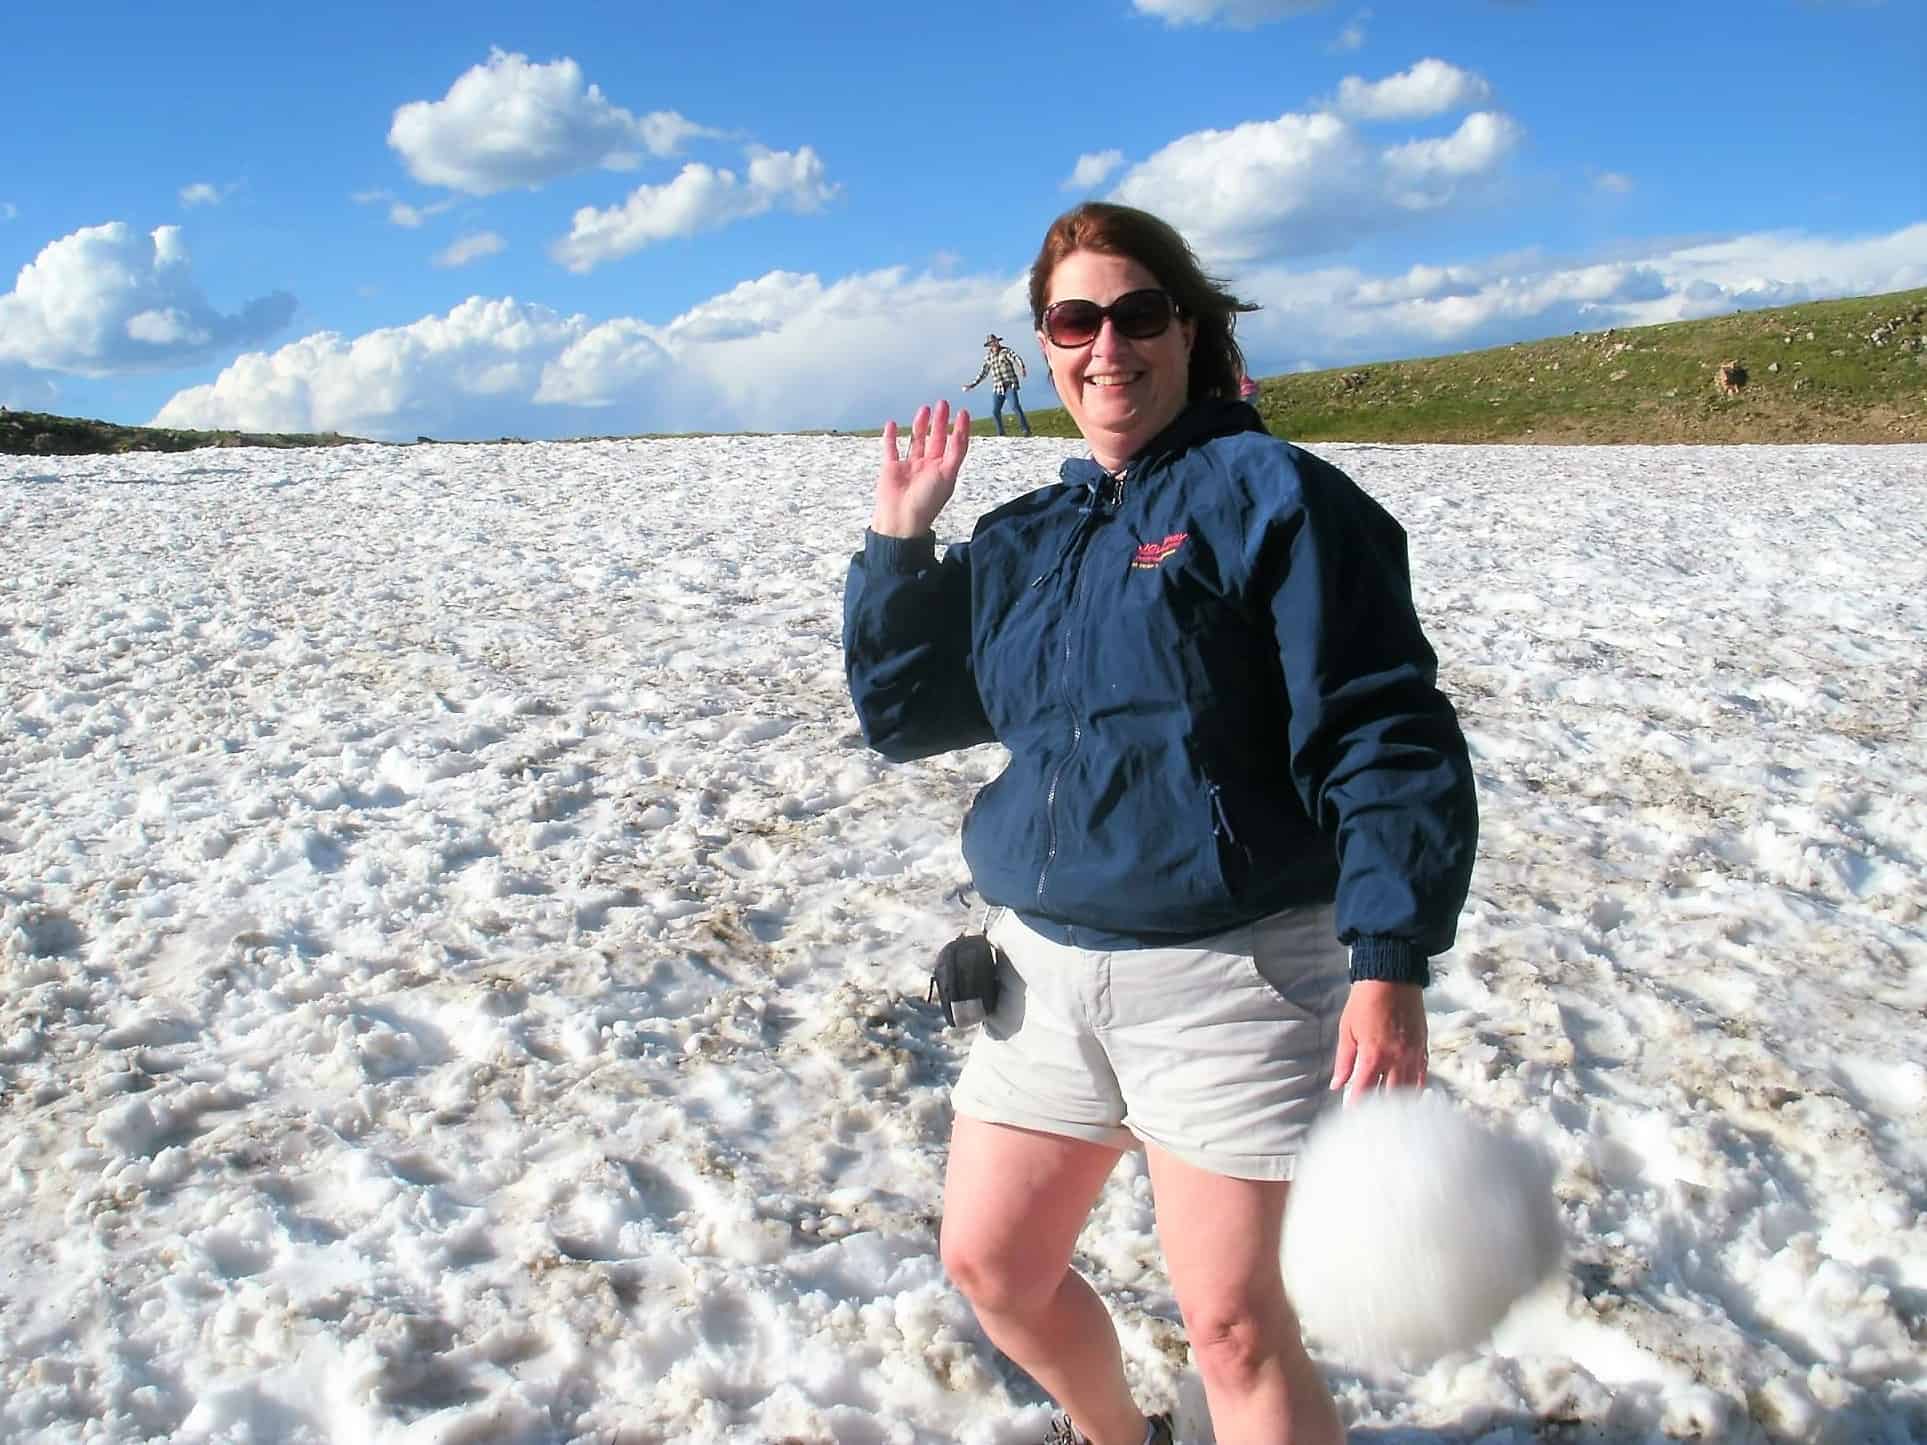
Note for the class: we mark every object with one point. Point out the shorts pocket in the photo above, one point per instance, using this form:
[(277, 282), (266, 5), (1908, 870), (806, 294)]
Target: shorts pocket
[(1296, 956), (994, 919), (1007, 1017)]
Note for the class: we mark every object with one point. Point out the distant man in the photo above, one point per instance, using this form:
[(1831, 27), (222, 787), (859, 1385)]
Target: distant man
[(1005, 368)]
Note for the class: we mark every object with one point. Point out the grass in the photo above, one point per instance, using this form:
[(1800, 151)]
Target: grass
[(1820, 371), (44, 434)]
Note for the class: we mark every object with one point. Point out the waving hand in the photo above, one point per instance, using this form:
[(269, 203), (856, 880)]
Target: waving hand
[(912, 489)]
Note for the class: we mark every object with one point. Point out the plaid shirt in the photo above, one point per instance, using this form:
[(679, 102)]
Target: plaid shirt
[(1004, 367)]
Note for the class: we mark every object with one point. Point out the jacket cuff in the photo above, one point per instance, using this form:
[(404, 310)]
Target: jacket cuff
[(902, 556), (1388, 960)]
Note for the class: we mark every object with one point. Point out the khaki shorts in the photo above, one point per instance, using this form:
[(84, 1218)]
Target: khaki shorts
[(1219, 1052)]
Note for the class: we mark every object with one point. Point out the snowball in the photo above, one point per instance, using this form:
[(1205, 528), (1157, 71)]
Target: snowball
[(1411, 1229)]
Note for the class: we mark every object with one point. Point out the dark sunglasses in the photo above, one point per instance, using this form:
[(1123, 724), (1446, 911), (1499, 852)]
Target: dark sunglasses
[(1139, 315)]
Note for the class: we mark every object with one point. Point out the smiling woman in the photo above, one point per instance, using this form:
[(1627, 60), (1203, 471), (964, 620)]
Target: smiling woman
[(1105, 320), (1236, 681), (1120, 389)]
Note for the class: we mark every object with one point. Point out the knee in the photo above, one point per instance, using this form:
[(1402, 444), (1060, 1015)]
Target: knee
[(995, 1279), (1233, 1341)]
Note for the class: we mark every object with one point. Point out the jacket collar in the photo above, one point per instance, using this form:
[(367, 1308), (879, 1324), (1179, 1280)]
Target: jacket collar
[(1201, 421)]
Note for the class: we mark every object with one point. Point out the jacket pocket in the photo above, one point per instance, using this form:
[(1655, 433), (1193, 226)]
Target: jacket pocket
[(1234, 858)]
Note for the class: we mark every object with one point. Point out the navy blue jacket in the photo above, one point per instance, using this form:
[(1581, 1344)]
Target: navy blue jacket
[(1214, 689)]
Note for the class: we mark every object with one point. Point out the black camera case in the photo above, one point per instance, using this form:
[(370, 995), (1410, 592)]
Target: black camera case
[(964, 980)]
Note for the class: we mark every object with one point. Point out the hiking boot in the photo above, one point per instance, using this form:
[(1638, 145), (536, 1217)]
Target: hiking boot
[(1062, 1432)]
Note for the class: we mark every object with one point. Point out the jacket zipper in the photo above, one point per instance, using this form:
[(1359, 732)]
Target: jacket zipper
[(1077, 735), (1050, 795), (1222, 818), (1113, 494)]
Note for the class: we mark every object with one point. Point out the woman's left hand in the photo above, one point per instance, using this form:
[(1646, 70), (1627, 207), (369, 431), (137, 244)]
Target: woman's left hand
[(1381, 1038)]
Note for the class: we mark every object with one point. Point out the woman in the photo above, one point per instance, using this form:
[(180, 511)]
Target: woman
[(1229, 768)]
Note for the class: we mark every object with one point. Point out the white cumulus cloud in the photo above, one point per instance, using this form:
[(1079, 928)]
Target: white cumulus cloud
[(470, 248), (1297, 185), (510, 123), (782, 351), (1310, 182), (202, 193), (1426, 174), (434, 375), (1431, 87), (1093, 169), (109, 298), (1338, 317), (786, 350), (700, 198), (789, 350), (1240, 13), (167, 327)]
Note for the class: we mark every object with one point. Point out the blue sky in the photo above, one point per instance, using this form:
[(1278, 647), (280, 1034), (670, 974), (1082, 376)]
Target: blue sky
[(481, 220)]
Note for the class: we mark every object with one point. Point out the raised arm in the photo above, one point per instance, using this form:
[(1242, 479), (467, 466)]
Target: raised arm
[(906, 616)]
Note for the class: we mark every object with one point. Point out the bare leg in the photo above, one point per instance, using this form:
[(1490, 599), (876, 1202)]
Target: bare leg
[(1221, 1239), (1014, 1203)]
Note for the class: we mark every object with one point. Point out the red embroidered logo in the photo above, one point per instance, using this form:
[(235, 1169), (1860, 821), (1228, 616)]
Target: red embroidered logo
[(1154, 554)]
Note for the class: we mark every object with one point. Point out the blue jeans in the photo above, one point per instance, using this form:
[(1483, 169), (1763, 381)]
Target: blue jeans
[(997, 400)]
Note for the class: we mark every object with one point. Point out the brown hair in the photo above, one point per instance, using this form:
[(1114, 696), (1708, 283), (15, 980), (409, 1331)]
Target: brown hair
[(1216, 361)]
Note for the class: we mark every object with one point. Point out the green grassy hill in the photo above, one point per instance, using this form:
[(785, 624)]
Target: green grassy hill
[(1821, 371)]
